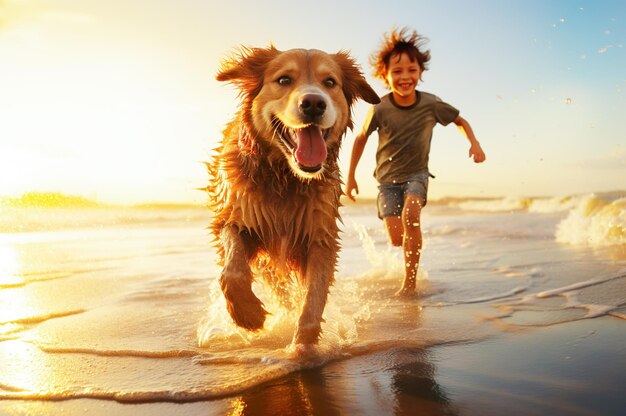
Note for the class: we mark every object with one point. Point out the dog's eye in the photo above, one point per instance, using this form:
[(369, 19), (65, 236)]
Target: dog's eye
[(284, 80), (330, 82)]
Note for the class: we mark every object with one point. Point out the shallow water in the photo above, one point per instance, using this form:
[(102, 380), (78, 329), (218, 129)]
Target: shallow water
[(128, 309)]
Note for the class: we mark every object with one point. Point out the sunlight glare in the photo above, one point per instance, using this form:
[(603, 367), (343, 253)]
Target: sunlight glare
[(9, 267), (24, 366), (14, 303)]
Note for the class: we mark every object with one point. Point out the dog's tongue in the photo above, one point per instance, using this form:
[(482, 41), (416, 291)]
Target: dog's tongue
[(311, 148)]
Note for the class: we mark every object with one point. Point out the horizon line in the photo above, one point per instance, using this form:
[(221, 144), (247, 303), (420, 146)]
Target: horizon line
[(62, 200)]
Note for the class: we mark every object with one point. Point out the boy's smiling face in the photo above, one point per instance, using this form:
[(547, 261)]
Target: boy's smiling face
[(402, 77)]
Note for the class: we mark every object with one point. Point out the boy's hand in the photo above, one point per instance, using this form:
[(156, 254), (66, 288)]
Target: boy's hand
[(477, 152), (351, 186)]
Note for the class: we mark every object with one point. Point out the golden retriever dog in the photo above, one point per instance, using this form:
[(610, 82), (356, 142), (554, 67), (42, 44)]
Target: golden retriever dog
[(274, 183)]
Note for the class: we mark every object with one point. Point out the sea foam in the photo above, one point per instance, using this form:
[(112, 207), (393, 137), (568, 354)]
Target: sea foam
[(508, 204), (594, 222)]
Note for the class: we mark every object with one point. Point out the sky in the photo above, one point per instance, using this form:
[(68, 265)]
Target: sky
[(117, 100)]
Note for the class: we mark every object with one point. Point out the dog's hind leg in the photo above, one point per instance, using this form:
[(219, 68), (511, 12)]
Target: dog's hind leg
[(318, 276), (236, 281)]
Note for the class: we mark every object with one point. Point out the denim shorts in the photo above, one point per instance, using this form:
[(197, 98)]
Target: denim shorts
[(391, 196)]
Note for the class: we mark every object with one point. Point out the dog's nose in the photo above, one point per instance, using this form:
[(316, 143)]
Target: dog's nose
[(312, 105)]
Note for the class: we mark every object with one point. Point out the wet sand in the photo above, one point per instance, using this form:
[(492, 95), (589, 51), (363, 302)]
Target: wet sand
[(126, 318), (569, 370), (576, 368)]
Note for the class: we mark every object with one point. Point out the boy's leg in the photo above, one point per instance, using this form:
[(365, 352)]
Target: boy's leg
[(395, 230), (390, 202), (412, 242)]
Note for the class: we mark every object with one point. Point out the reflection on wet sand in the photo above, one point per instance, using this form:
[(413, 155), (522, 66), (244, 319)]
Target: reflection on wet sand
[(407, 386), (9, 267), (304, 393), (26, 367), (401, 378), (415, 387)]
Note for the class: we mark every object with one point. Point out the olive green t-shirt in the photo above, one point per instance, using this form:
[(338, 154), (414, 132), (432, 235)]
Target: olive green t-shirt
[(404, 134)]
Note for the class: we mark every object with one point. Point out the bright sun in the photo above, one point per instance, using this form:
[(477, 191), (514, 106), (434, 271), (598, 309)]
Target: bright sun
[(88, 116)]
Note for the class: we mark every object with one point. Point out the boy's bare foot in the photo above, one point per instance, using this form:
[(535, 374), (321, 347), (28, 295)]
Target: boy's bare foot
[(406, 292)]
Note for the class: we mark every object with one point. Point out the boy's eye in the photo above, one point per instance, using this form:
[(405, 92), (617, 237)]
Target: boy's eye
[(284, 80), (330, 82)]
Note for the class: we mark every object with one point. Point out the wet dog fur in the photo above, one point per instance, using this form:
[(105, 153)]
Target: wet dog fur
[(274, 183)]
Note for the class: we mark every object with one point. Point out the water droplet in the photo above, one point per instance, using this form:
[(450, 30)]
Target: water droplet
[(416, 224), (562, 20), (568, 100)]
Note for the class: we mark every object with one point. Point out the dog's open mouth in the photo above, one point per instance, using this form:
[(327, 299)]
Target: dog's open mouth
[(307, 145)]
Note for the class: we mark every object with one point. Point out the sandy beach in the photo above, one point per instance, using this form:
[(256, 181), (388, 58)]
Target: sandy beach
[(113, 117), (520, 311)]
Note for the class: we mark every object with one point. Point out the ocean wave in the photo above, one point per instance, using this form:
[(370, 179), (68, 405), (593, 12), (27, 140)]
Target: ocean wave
[(31, 219), (262, 366), (555, 204), (593, 308), (119, 353), (42, 318), (594, 222), (594, 219), (13, 282), (530, 204), (494, 205)]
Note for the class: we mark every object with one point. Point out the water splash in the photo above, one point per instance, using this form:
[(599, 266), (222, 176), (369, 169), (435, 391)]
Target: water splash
[(594, 222), (386, 263), (345, 309)]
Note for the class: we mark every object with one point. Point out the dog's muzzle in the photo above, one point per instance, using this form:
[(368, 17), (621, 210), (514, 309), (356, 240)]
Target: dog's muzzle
[(307, 145)]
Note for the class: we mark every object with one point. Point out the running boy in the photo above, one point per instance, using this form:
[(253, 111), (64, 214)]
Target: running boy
[(405, 119)]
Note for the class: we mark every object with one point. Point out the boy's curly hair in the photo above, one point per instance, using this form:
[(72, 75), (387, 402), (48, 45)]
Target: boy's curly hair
[(396, 42)]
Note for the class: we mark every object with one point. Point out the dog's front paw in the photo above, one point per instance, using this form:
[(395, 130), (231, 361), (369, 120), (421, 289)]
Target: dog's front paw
[(243, 306), (305, 353), (307, 334)]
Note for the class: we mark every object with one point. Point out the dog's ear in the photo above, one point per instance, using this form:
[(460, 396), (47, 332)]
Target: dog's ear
[(246, 68), (354, 84)]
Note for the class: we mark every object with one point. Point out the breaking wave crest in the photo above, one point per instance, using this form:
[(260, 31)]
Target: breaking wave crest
[(509, 204), (595, 219), (594, 222)]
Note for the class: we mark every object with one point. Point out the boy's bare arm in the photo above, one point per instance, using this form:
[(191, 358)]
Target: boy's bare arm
[(475, 150), (357, 151)]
